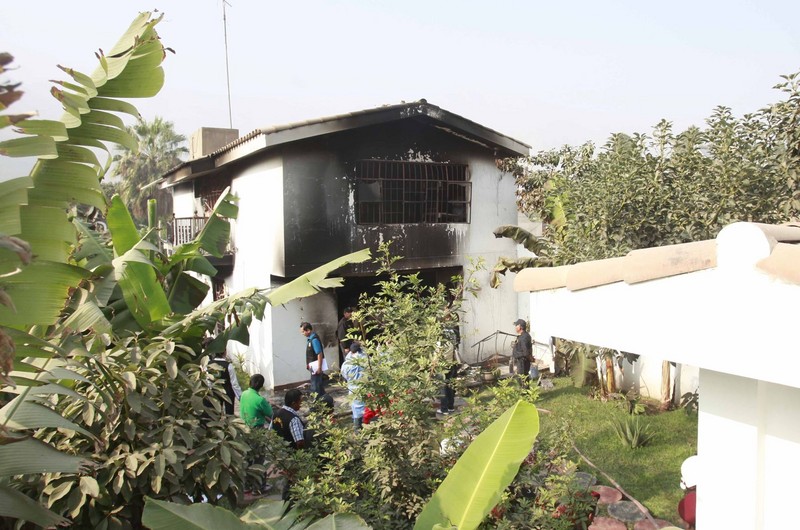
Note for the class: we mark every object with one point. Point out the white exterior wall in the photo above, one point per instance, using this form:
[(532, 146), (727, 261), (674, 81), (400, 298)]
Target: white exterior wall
[(493, 204), (183, 202), (258, 237), (289, 345), (738, 325), (750, 446)]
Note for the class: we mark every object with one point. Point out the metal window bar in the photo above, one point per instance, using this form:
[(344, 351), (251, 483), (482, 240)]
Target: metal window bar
[(391, 192)]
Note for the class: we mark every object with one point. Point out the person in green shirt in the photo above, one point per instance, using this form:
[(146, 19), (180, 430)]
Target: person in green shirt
[(254, 409)]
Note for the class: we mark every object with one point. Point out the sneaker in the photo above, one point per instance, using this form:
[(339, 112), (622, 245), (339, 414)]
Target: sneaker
[(450, 411), (440, 411)]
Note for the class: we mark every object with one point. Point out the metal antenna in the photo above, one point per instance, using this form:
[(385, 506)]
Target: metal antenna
[(227, 69)]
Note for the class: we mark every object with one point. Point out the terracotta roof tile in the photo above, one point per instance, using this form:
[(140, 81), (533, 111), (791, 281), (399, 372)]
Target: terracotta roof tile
[(774, 249)]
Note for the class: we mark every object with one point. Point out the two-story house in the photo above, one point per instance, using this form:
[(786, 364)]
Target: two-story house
[(312, 191)]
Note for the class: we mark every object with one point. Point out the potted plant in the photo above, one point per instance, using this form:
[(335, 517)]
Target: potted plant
[(490, 369)]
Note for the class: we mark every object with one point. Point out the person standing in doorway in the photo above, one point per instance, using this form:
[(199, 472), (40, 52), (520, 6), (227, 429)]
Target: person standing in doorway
[(452, 340), (314, 358), (229, 381), (522, 353), (341, 334)]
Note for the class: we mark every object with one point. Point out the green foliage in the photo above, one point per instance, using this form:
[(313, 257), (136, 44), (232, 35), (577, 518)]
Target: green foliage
[(160, 149), (102, 328), (632, 431), (690, 402), (393, 465), (474, 485), (643, 190), (574, 417), (265, 515), (156, 428)]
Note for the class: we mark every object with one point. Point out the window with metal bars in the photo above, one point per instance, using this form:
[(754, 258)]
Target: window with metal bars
[(209, 191), (395, 192)]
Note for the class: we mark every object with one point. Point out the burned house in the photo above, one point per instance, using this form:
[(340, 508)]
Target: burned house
[(312, 191)]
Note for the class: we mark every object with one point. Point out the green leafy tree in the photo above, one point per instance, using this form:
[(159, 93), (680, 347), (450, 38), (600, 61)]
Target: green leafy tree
[(160, 148), (644, 190)]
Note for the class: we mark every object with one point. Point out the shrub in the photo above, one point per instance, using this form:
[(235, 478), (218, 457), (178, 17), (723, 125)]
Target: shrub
[(156, 430)]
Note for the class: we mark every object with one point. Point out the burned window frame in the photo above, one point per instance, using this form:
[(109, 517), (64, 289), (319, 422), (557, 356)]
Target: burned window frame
[(404, 192)]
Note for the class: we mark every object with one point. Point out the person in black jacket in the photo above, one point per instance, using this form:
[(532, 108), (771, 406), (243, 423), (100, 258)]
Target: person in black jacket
[(522, 352)]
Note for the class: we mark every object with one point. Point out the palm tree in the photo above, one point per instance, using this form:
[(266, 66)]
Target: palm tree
[(160, 149)]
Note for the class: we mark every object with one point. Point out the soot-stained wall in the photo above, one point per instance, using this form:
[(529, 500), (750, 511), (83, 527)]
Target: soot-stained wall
[(319, 184)]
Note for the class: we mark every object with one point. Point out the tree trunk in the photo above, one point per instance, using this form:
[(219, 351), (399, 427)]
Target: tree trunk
[(610, 377), (665, 386)]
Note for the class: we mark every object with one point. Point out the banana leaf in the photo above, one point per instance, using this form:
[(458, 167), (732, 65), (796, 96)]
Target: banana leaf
[(265, 515), (32, 457), (39, 291), (141, 289), (28, 414), (17, 505), (477, 481), (311, 282), (163, 515), (217, 231)]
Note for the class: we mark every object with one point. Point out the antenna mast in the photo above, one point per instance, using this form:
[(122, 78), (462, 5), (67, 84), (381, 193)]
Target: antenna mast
[(227, 69)]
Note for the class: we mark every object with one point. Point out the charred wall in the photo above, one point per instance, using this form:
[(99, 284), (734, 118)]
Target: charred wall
[(319, 183)]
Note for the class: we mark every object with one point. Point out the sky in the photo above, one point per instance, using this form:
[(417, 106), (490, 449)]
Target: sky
[(545, 73)]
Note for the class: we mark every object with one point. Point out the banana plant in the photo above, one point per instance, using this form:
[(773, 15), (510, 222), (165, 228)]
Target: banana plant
[(477, 481), (37, 276), (64, 290), (264, 515)]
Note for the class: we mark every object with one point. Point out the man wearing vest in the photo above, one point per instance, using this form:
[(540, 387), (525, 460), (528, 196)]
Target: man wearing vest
[(287, 422), (314, 358)]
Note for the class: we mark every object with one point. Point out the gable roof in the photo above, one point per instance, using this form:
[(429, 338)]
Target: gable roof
[(266, 138), (773, 249)]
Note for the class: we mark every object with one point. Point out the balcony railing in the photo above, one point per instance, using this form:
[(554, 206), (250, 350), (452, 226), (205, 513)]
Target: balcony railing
[(184, 229)]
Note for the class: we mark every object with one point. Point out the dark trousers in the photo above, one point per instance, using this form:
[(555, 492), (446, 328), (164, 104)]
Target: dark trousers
[(522, 366), (317, 384), (448, 401)]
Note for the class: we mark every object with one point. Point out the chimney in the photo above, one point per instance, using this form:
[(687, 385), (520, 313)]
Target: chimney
[(206, 140)]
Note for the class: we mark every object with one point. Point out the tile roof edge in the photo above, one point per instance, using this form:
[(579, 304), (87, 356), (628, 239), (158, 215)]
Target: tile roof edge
[(783, 263)]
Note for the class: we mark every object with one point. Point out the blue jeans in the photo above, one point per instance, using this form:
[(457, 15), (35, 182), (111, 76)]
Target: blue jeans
[(317, 385)]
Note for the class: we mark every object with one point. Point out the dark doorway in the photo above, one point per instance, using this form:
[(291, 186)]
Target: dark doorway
[(354, 286)]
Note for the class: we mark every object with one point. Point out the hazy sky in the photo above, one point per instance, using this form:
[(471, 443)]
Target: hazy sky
[(545, 73)]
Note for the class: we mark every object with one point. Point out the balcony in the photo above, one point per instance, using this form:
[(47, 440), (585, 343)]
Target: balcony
[(184, 229)]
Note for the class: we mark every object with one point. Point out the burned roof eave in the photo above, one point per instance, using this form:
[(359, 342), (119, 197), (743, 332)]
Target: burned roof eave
[(187, 171), (261, 139)]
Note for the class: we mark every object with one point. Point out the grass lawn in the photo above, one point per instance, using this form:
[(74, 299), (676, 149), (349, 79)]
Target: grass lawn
[(651, 474)]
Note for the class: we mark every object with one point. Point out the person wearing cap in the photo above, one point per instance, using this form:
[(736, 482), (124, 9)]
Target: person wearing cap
[(522, 352), (352, 370)]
